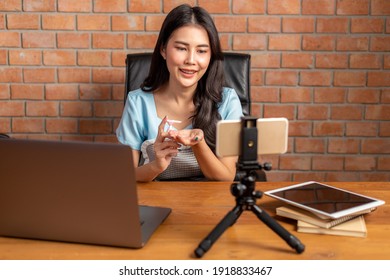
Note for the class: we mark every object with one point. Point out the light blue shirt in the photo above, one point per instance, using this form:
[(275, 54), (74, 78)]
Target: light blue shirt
[(139, 126), (140, 121)]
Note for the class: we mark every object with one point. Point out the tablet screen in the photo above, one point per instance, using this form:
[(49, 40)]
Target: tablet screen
[(323, 199)]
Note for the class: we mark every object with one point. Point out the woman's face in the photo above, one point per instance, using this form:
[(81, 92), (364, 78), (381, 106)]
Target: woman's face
[(187, 54)]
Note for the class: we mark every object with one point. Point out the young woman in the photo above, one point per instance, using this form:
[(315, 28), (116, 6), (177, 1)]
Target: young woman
[(184, 85)]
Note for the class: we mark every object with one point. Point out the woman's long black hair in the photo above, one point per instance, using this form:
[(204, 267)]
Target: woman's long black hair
[(209, 90)]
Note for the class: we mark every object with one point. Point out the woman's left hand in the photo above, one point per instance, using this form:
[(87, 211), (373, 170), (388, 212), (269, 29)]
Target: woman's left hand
[(187, 137)]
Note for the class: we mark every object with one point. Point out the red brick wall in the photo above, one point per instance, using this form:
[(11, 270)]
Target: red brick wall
[(323, 64)]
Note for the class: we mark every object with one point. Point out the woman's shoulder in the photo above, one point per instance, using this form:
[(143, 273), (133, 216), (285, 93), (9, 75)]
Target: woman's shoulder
[(139, 95)]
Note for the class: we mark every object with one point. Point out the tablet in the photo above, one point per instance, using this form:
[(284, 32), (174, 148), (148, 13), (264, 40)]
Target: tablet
[(327, 202)]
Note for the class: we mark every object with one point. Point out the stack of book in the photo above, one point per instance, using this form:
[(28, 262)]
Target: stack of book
[(353, 225)]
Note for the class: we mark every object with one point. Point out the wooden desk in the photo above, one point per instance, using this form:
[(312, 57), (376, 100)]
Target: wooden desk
[(198, 207)]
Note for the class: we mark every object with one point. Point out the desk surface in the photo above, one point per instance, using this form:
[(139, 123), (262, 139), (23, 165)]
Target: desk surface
[(198, 206)]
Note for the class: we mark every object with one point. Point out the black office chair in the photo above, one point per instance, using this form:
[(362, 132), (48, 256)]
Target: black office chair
[(237, 76)]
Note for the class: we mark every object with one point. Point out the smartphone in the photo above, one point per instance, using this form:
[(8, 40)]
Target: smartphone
[(272, 137)]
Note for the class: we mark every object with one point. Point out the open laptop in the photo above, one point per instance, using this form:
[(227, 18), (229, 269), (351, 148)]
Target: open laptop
[(73, 191)]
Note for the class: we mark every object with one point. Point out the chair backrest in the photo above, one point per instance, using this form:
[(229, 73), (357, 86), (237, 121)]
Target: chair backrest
[(236, 66)]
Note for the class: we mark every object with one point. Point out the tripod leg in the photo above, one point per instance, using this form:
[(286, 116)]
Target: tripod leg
[(220, 228), (278, 229)]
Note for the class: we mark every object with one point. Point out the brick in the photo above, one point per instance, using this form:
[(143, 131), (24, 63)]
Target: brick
[(4, 91), (360, 163), (308, 176), (284, 42), (118, 58), (313, 112), (42, 108), (352, 7), (59, 57), (265, 60), (298, 25), (93, 58), (352, 44), (151, 6), (10, 75), (378, 79), (377, 112), (249, 7), (309, 145), (128, 23), (5, 125), (39, 6), (25, 57), (385, 96), (375, 176), (93, 22), (96, 92), (61, 125), (249, 42), (61, 92), (325, 128), (95, 126), (329, 95), (384, 129), (349, 78), (315, 78), (141, 41), (11, 6), (26, 91), (380, 7), (73, 40), (343, 146), (362, 129), (216, 6), (332, 25), (104, 6), (318, 43), (31, 125), (9, 39), (76, 109), (367, 25), (264, 94), (264, 24), (295, 95), (365, 61), (108, 41), (256, 78), (74, 6), (347, 112), (363, 95), (297, 60), (331, 60), (74, 75), (230, 24), (328, 162), (291, 162), (281, 77), (108, 76), (384, 163), (58, 22), (380, 44), (39, 75), (3, 57), (22, 21), (376, 146), (300, 128), (284, 7), (386, 63), (154, 23), (39, 40), (274, 111), (117, 92), (342, 176), (318, 7), (11, 108), (108, 109)]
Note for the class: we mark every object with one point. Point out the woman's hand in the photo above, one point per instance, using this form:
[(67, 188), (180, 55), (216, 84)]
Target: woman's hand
[(187, 137), (164, 149)]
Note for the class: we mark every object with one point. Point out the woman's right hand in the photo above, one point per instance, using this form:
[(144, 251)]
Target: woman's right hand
[(164, 148)]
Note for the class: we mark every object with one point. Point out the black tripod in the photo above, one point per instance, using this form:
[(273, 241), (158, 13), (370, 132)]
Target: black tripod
[(245, 193)]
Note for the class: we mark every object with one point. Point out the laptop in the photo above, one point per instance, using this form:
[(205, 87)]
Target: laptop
[(78, 192)]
